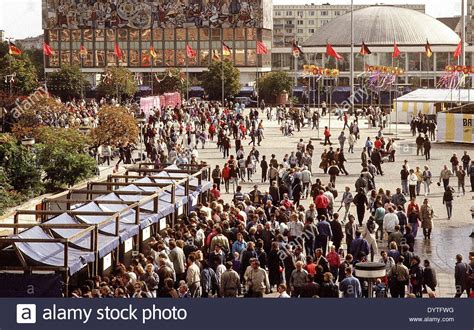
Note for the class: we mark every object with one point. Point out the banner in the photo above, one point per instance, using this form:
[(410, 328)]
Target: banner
[(148, 103), (238, 314), (455, 127)]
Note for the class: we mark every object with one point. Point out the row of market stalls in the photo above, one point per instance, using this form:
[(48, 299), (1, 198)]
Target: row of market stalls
[(85, 232), (450, 108)]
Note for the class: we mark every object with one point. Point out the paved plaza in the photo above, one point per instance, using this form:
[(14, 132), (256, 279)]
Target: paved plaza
[(449, 237)]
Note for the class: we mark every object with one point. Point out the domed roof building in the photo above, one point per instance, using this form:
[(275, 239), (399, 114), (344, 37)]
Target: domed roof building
[(382, 26), (379, 27)]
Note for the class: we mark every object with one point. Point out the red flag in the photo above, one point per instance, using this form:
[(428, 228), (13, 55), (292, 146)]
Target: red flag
[(118, 52), (261, 48), (47, 50), (458, 50), (396, 52), (332, 53), (191, 53)]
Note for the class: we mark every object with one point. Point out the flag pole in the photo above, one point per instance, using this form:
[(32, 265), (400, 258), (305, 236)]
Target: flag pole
[(352, 59), (222, 79), (82, 83), (187, 78), (44, 71), (152, 78)]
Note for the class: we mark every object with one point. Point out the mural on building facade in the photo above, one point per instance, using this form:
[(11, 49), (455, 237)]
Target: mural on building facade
[(141, 14)]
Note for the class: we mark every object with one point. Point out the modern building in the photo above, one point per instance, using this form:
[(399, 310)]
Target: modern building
[(299, 22), (379, 27), (31, 42), (136, 25)]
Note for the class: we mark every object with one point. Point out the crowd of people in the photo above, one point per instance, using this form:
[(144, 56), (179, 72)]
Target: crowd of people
[(265, 240)]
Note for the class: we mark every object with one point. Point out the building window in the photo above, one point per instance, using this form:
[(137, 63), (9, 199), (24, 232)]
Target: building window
[(278, 13), (324, 12), (300, 30), (337, 13), (300, 13), (324, 21), (300, 22), (289, 13), (311, 13), (289, 31), (311, 30), (289, 22), (311, 22)]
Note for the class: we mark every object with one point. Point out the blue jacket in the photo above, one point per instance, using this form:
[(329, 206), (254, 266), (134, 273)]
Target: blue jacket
[(350, 287)]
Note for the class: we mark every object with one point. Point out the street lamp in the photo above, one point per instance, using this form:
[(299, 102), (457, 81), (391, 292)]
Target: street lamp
[(141, 122)]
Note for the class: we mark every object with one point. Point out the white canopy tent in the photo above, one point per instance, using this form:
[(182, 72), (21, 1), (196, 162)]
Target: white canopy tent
[(428, 101)]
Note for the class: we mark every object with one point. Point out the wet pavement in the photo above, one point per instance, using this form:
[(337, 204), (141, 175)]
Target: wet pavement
[(448, 237)]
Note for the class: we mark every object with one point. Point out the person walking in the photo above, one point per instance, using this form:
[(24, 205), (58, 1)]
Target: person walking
[(416, 276), (350, 285), (298, 278), (256, 279), (448, 198), (429, 277), (399, 276), (361, 202), (412, 183), (426, 217), (461, 270), (230, 282), (444, 176), (427, 180), (461, 175), (471, 175), (327, 136)]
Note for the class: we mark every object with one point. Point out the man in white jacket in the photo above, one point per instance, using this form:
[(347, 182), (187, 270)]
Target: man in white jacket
[(390, 220)]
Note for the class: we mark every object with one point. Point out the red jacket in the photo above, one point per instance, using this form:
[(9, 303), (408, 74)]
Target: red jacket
[(321, 202)]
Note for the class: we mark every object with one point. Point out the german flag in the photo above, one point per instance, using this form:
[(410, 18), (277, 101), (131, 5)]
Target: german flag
[(13, 49), (83, 51), (226, 49), (364, 50), (428, 50), (153, 53)]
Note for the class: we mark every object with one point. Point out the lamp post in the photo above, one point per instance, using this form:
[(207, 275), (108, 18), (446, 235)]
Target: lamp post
[(141, 122)]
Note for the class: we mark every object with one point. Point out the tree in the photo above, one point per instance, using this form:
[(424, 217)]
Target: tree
[(67, 83), (273, 84), (28, 112), (116, 127), (19, 165), (62, 154), (171, 81), (117, 82), (212, 80), (36, 57), (25, 79)]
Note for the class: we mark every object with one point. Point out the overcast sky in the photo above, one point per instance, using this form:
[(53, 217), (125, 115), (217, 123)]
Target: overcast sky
[(22, 18)]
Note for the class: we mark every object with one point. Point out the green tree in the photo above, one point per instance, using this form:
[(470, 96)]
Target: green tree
[(116, 127), (19, 165), (36, 57), (62, 156), (212, 80), (172, 81), (67, 83), (117, 82), (26, 78), (273, 84)]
